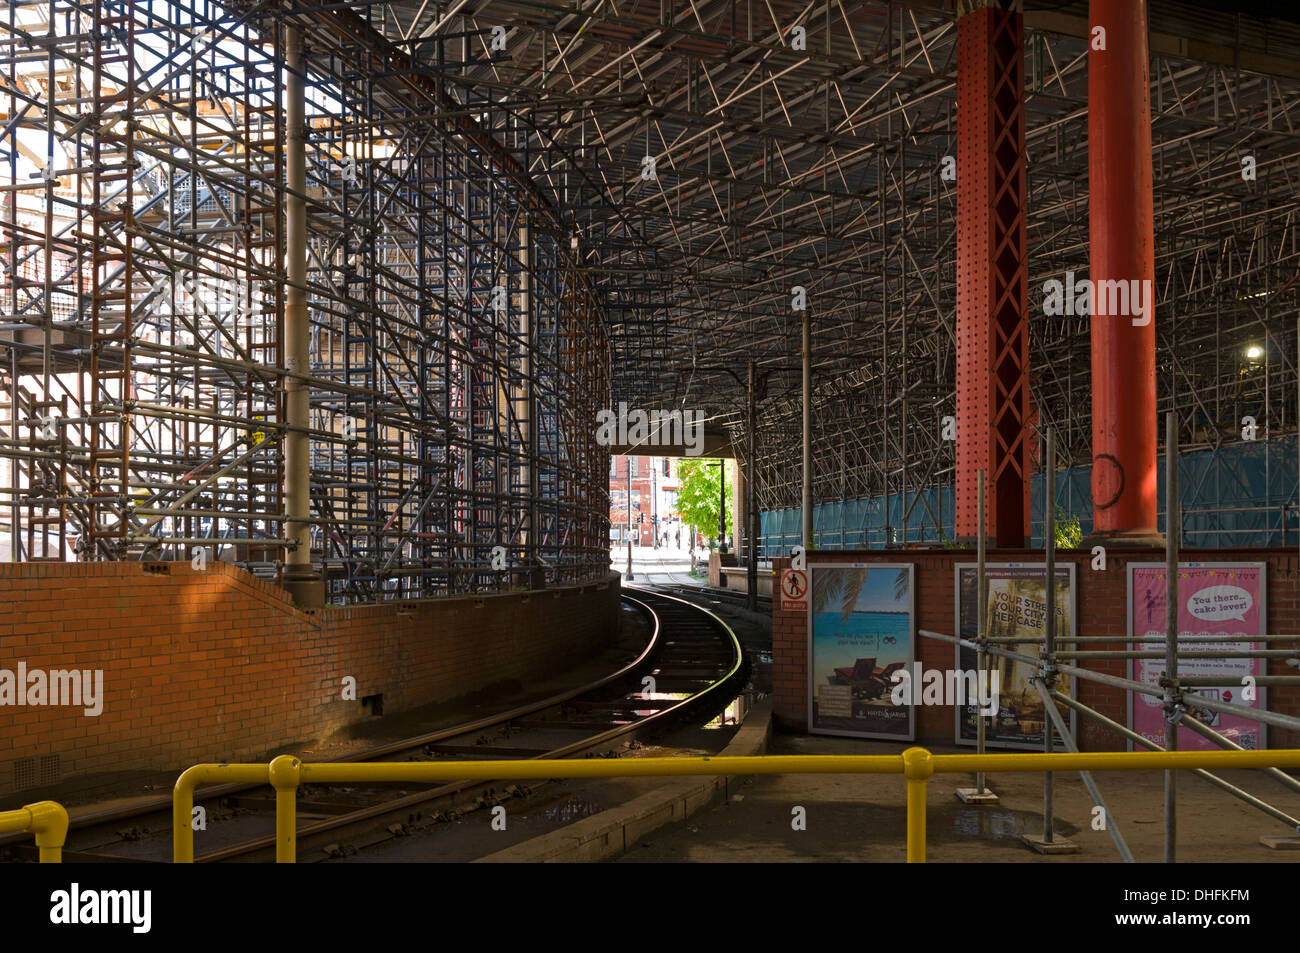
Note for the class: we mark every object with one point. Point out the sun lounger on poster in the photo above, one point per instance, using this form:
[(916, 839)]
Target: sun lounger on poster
[(861, 678)]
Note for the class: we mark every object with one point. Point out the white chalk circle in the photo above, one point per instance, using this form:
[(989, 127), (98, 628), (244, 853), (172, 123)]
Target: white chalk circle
[(1216, 603)]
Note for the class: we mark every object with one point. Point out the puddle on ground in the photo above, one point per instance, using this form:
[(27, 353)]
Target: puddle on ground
[(1002, 825), (573, 809)]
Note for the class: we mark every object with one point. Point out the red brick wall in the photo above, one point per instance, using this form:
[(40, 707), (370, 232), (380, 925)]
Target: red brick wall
[(217, 665), (1101, 604)]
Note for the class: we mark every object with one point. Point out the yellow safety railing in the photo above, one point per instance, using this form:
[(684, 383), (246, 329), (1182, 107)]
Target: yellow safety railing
[(47, 820), (916, 765)]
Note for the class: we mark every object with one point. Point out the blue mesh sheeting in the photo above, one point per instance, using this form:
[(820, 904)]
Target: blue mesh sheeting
[(1241, 495)]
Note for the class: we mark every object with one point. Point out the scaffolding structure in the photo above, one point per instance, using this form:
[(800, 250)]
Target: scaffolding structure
[(1227, 252), (457, 347), (1180, 694), (646, 184)]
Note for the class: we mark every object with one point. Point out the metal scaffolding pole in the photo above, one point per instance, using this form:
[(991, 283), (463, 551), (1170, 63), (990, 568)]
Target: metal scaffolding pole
[(1170, 680), (299, 578), (1049, 704), (1147, 743), (807, 495), (751, 474), (1049, 622), (980, 793)]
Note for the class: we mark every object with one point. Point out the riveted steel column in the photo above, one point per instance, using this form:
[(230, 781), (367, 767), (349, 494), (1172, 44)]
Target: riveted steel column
[(992, 332), (1122, 249)]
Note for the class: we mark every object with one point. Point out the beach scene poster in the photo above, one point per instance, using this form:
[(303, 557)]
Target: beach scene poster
[(861, 626)]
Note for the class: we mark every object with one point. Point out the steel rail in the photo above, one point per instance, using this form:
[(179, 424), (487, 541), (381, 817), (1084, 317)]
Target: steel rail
[(715, 689), (155, 804)]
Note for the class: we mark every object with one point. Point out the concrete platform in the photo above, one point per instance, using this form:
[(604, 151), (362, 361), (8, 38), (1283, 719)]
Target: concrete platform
[(862, 818), (610, 833)]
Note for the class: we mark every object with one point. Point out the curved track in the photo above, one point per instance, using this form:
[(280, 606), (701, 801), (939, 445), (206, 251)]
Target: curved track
[(694, 659)]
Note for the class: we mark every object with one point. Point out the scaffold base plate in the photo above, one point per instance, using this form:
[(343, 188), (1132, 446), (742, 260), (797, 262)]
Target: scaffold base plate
[(974, 796), (1057, 845), (1280, 843)]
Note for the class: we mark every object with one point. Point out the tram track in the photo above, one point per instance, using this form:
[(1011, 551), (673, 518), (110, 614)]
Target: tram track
[(691, 667)]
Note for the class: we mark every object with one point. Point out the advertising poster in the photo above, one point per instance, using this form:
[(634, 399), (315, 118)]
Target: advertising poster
[(1214, 599), (1016, 607), (860, 633)]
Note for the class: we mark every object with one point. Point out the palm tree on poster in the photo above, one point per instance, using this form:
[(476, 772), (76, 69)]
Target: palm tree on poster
[(841, 587)]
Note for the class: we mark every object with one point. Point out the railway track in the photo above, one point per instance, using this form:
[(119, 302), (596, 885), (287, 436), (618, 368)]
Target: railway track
[(728, 597), (690, 669)]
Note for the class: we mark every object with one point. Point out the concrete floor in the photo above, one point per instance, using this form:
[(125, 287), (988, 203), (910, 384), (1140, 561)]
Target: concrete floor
[(862, 817)]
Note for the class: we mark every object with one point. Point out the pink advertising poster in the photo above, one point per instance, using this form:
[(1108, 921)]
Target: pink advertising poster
[(1213, 599)]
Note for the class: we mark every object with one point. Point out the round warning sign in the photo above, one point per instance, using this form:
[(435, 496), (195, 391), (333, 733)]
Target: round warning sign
[(794, 590)]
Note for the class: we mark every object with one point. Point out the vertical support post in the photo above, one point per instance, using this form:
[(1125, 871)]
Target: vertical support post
[(654, 503), (992, 275), (527, 407), (751, 470), (49, 822), (981, 603), (917, 769), (1049, 624), (298, 576), (1122, 251), (722, 506), (806, 495), (737, 505), (1172, 522), (1046, 680), (285, 772), (628, 462), (980, 794)]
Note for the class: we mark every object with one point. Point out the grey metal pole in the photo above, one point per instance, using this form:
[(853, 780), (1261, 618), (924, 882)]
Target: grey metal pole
[(1138, 739), (722, 506), (1085, 776), (751, 518), (1172, 523), (1263, 715), (1205, 731), (807, 512), (630, 577), (982, 659), (1049, 624), (654, 505), (298, 576)]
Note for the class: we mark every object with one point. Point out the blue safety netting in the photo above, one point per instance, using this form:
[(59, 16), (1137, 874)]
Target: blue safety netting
[(1240, 495)]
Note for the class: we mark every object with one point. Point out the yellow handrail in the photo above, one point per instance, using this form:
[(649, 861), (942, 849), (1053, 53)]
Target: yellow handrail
[(917, 765), (47, 820)]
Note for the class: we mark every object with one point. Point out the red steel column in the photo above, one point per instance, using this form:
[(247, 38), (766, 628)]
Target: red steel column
[(1122, 241), (992, 280)]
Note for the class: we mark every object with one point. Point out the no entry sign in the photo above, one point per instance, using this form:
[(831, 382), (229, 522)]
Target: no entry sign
[(794, 591)]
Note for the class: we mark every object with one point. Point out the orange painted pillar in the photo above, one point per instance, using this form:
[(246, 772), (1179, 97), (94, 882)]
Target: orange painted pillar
[(1122, 248)]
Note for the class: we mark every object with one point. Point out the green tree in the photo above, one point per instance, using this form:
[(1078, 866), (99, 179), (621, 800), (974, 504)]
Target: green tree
[(1069, 530), (697, 500)]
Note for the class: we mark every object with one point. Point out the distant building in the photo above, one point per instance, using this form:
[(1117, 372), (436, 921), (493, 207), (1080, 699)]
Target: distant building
[(655, 484)]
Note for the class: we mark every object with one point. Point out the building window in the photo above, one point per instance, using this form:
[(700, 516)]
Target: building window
[(631, 466)]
